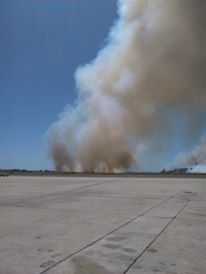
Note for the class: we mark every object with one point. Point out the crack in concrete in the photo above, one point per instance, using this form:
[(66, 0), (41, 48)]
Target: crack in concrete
[(157, 236), (116, 229)]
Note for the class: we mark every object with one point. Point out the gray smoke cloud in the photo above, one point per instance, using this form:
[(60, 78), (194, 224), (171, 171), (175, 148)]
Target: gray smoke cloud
[(152, 70)]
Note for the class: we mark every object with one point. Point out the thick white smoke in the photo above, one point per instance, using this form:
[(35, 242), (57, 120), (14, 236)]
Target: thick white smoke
[(152, 69)]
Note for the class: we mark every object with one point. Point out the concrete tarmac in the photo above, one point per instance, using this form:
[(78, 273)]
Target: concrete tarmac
[(102, 225)]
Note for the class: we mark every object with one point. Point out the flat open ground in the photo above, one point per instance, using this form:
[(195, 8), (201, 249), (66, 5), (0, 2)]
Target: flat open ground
[(102, 225)]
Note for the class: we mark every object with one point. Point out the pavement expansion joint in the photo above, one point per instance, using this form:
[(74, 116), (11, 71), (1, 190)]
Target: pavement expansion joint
[(157, 236), (111, 232)]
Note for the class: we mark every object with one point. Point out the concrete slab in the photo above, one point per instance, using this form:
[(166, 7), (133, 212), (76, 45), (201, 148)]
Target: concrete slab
[(101, 225), (181, 248)]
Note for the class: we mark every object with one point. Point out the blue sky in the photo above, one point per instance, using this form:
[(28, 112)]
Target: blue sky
[(41, 44)]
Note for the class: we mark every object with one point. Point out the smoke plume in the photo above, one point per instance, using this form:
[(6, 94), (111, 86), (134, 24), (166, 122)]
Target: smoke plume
[(151, 72), (195, 159)]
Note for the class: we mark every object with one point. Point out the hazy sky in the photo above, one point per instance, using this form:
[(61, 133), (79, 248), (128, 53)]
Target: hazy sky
[(41, 44)]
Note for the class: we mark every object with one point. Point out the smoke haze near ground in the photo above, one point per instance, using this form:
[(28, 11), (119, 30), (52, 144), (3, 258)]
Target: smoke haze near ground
[(196, 158), (151, 72)]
